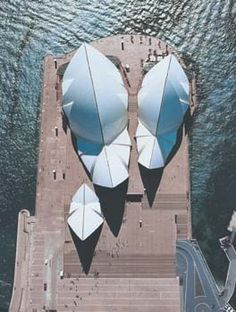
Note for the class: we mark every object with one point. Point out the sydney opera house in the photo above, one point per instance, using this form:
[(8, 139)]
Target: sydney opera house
[(112, 224), (95, 103)]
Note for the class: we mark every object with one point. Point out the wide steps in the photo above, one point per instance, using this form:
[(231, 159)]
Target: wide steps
[(104, 265), (118, 294), (119, 308)]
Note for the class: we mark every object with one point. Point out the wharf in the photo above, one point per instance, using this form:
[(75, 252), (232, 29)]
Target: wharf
[(135, 271)]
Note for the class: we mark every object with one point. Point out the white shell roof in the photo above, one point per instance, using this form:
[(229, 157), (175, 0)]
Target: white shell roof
[(94, 97), (85, 214), (162, 101), (110, 167), (95, 103)]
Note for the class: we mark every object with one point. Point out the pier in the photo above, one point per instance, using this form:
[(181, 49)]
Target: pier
[(135, 271)]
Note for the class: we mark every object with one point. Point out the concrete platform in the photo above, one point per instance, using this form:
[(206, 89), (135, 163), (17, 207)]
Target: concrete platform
[(146, 253)]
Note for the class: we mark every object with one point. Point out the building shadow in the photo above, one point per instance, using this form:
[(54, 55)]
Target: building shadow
[(188, 119), (177, 144), (112, 202), (86, 248), (151, 180), (152, 177)]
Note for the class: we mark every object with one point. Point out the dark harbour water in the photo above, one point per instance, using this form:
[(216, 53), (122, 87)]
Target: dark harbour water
[(202, 30)]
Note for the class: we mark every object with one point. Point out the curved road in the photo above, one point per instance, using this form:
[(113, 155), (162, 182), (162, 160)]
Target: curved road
[(190, 262)]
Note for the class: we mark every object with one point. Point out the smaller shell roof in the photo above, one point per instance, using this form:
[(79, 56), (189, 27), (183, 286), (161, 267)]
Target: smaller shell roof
[(85, 214), (110, 167)]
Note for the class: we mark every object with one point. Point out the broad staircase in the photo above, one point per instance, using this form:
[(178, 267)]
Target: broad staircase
[(118, 295), (122, 265)]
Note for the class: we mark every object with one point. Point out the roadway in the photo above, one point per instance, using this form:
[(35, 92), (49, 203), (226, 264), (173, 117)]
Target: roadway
[(191, 266), (231, 275)]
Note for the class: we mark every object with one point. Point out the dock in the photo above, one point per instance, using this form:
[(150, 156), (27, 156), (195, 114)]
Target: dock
[(135, 271)]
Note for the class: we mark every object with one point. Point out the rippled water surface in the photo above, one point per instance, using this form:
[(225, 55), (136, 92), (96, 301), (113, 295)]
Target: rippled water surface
[(202, 30)]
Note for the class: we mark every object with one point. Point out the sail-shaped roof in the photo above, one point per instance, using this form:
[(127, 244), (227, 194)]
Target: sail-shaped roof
[(95, 102), (162, 103), (85, 214)]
